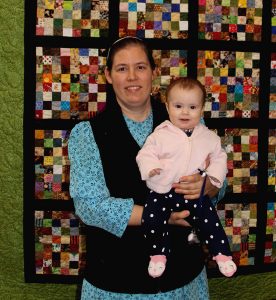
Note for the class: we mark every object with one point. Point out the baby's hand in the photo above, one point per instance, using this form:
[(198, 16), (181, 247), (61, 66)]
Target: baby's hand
[(154, 172)]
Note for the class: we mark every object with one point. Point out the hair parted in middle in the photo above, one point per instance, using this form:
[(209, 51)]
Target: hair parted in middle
[(124, 43)]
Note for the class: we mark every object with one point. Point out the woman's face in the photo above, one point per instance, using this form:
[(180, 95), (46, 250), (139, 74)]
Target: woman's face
[(131, 77)]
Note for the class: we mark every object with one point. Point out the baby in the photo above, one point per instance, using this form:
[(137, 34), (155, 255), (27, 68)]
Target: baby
[(177, 148)]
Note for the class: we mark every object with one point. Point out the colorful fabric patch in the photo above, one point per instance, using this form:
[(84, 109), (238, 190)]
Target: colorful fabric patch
[(70, 82), (270, 241), (231, 80), (272, 103), (272, 160), (273, 21), (59, 243), (241, 146), (240, 225), (170, 64), (227, 20), (154, 19), (78, 18), (51, 164)]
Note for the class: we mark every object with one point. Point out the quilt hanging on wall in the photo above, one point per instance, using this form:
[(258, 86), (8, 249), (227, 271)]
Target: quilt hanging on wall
[(228, 45)]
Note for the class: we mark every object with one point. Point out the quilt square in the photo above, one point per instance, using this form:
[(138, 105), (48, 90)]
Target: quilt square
[(70, 82), (273, 21), (59, 243), (51, 165), (240, 225), (272, 98), (154, 19), (226, 20), (270, 240), (169, 64), (232, 82), (241, 145), (78, 18), (272, 160)]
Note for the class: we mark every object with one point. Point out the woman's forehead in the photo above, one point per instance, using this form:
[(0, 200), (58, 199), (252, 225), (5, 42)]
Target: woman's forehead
[(130, 53)]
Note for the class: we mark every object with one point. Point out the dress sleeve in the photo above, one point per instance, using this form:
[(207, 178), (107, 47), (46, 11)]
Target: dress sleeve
[(92, 200)]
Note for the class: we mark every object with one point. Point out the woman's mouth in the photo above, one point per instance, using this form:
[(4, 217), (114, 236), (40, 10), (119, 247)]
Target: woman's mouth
[(133, 88)]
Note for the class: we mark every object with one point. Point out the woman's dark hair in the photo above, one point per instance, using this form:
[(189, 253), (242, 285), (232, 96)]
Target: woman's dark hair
[(187, 83), (125, 42)]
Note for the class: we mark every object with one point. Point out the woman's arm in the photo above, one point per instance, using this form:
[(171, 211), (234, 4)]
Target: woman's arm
[(190, 186), (92, 200)]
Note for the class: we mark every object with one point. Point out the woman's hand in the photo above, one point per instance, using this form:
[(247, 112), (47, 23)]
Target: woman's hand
[(178, 218), (190, 187)]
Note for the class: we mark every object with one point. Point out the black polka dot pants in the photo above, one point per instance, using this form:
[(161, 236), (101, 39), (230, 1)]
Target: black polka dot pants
[(203, 218)]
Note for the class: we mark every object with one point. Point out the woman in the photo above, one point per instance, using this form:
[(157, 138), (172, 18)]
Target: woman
[(109, 194)]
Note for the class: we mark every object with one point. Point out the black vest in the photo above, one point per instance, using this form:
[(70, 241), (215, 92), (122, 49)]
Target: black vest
[(120, 264)]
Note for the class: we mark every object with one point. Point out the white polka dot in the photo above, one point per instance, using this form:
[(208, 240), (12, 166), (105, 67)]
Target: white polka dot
[(164, 233), (165, 222), (211, 236), (170, 195), (206, 221), (194, 217), (195, 205), (151, 215), (152, 231), (163, 249), (222, 241), (177, 204), (211, 208), (154, 246), (166, 197), (217, 224), (164, 208), (151, 191), (206, 242), (167, 233), (171, 209), (186, 201), (155, 200), (145, 236), (146, 205), (219, 253)]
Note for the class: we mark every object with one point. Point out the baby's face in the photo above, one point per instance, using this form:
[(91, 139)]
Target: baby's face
[(185, 107)]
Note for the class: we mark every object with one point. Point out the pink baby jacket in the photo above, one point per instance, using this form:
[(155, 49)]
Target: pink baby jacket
[(170, 149)]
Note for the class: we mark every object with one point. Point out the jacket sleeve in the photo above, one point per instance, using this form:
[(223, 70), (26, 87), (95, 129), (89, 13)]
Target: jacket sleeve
[(222, 190), (92, 200), (217, 168), (147, 158)]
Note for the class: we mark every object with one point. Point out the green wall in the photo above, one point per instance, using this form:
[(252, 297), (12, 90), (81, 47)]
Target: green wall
[(12, 286)]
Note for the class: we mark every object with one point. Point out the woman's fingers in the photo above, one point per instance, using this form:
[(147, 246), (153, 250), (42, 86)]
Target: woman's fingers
[(178, 218), (190, 186)]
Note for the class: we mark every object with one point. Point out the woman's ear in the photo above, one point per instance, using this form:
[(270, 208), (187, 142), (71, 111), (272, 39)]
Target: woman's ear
[(155, 73), (107, 76)]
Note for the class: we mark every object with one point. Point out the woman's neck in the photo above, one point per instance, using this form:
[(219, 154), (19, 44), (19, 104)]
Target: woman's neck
[(137, 114)]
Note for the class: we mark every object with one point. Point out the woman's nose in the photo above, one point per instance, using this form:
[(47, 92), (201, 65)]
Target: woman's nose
[(131, 74)]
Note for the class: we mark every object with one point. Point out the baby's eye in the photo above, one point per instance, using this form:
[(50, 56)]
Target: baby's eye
[(193, 107), (177, 106)]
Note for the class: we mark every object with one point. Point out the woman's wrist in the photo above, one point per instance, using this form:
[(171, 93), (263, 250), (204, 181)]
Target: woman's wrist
[(210, 189)]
